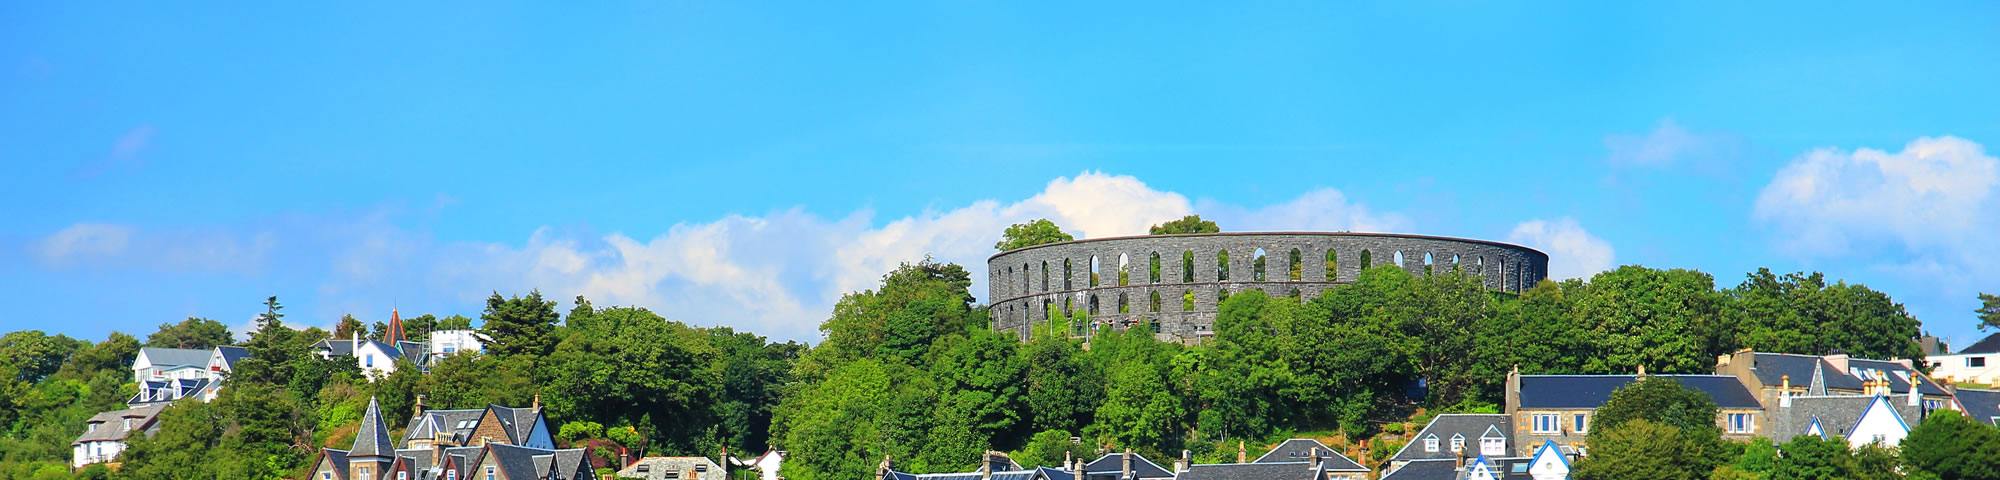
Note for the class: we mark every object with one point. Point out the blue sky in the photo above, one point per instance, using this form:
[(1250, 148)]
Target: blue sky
[(745, 164)]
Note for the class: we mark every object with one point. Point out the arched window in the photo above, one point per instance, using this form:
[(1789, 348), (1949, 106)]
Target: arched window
[(1222, 265), (1124, 270), (1187, 266), (1045, 275), (1067, 285), (1500, 270), (1122, 306), (1027, 281), (1093, 305), (1367, 260), (1297, 270), (1479, 268), (1069, 306), (1093, 271), (1187, 300), (1257, 266), (1153, 269), (1454, 265), (1399, 258), (1428, 269), (1156, 301), (1332, 265)]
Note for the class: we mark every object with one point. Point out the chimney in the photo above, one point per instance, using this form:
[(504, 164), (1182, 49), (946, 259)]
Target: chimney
[(1125, 471), (1915, 397), (1642, 372), (1078, 472), (882, 470), (1723, 360), (1460, 462), (1839, 360), (1787, 383), (1313, 460), (1181, 464), (1242, 456), (986, 465), (420, 404)]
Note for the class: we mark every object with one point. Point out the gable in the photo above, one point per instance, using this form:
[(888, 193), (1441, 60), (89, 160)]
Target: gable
[(1548, 460), (1879, 423), (1480, 470)]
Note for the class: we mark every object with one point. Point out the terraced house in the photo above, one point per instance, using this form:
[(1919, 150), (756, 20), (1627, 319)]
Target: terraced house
[(493, 443)]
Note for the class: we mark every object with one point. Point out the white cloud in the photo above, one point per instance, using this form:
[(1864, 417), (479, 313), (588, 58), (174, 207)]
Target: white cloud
[(1323, 209), (1670, 145), (1936, 195), (83, 240), (1573, 252), (112, 245)]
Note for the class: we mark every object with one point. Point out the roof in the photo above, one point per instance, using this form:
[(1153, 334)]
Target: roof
[(1900, 377), (336, 347), (339, 460), (1772, 368), (456, 424), (420, 458), (1472, 426), (1990, 344), (1039, 473), (372, 440), (517, 422), (1113, 464), (111, 425), (1981, 405), (570, 460), (1293, 450), (1252, 471), (167, 391), (1837, 415), (1425, 470), (175, 356), (518, 461), (230, 354), (1591, 391)]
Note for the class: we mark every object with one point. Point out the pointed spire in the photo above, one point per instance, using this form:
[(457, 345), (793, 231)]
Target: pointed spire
[(372, 440), (395, 333)]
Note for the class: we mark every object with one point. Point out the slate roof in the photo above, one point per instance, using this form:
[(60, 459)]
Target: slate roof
[(230, 354), (339, 460), (1113, 464), (1837, 414), (1591, 391), (1772, 368), (1990, 344), (175, 356), (1899, 376), (167, 391), (569, 461), (1039, 473), (1252, 471), (1471, 425), (111, 425), (1981, 405), (1426, 470), (421, 458), (372, 440), (336, 347), (517, 461), (446, 420)]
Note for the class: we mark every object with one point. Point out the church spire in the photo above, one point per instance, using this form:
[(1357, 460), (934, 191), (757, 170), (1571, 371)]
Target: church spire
[(395, 333)]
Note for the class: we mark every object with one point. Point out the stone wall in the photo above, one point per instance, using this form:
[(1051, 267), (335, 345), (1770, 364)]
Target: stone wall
[(1022, 282)]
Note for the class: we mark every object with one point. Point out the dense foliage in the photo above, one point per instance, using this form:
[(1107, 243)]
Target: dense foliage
[(1037, 232), (1188, 224)]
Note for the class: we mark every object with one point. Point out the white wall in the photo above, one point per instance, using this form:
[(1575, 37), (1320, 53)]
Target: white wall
[(448, 342), (1954, 368), (95, 452), (1880, 423)]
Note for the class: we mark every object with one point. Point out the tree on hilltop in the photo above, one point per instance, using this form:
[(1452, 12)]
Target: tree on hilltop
[(1041, 231), (1187, 224), (1989, 311)]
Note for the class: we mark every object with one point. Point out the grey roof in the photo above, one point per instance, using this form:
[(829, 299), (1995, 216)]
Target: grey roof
[(1252, 471), (1899, 376), (518, 461), (420, 458), (372, 440), (1990, 344), (166, 391), (1113, 464), (1837, 414), (1772, 368), (336, 347), (570, 461), (230, 354), (465, 458), (1591, 391), (1981, 405), (1426, 470), (447, 420), (175, 356), (111, 425), (339, 460), (1292, 450), (1038, 473), (1472, 426)]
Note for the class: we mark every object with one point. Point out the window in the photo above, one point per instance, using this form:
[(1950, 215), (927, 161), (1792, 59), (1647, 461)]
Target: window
[(1975, 362), (326, 475), (1581, 423), (671, 475), (450, 475), (1933, 404), (1431, 444), (1457, 444), (370, 359), (1742, 423), (364, 472), (402, 475), (1546, 423), (489, 472), (1492, 446)]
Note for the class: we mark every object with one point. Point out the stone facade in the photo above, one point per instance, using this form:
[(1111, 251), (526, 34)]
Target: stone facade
[(1023, 283)]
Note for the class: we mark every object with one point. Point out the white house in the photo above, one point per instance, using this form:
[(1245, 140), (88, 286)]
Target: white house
[(1977, 363), (1549, 463), (170, 364), (450, 342), (104, 437), (767, 465)]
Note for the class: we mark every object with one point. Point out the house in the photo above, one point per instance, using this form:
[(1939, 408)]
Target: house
[(105, 434), (1559, 408), (1767, 375), (1861, 419), (992, 466), (494, 443), (1451, 435), (1293, 459), (1977, 363), (1548, 463), (222, 360), (767, 465), (444, 343), (377, 359), (170, 364), (1979, 404), (1124, 466), (675, 468), (162, 392)]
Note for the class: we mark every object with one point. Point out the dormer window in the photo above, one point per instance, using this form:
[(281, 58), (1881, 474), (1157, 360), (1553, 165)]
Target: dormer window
[(1457, 443), (1431, 444), (1492, 446)]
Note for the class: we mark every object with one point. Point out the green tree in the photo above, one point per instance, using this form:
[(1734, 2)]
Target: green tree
[(754, 372), (629, 363), (1801, 313), (1187, 224), (1989, 311), (1062, 389), (33, 355), (195, 333), (1039, 231), (520, 325), (1049, 447), (1809, 457), (1664, 402), (1951, 446), (349, 327), (1640, 449), (1669, 321)]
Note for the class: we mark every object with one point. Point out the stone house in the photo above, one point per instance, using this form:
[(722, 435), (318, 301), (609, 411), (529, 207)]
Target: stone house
[(494, 443), (674, 468), (1559, 408)]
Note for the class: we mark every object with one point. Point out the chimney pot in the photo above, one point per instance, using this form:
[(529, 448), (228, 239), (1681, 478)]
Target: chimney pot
[(1242, 455)]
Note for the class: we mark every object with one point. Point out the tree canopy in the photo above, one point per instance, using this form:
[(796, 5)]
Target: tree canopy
[(195, 333), (1187, 224), (1040, 231)]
